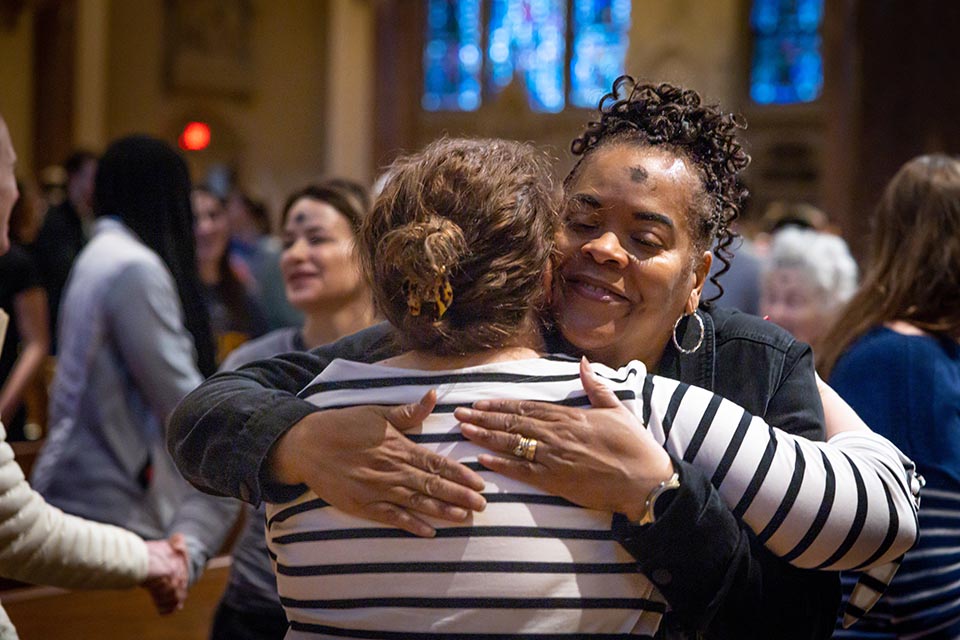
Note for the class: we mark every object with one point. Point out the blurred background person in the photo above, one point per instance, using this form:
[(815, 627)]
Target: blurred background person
[(235, 316), (781, 214), (893, 354), (255, 251), (135, 339), (24, 300), (41, 544), (807, 277), (322, 278), (65, 230)]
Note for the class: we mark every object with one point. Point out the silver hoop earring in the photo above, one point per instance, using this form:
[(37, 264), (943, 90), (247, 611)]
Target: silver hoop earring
[(696, 347)]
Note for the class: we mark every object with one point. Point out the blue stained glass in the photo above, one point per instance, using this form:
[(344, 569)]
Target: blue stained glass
[(452, 56), (600, 38), (528, 38), (787, 64)]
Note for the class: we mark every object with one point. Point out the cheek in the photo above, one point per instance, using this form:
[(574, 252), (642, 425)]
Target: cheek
[(567, 246)]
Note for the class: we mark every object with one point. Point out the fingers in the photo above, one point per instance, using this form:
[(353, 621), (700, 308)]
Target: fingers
[(601, 396), (444, 490), (511, 467), (438, 465), (391, 514), (523, 408), (498, 441), (411, 415), (510, 422)]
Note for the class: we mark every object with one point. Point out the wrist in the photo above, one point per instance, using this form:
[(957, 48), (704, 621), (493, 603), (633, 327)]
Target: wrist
[(282, 457), (655, 497)]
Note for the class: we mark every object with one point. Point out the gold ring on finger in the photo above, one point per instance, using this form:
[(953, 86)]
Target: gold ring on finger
[(526, 448)]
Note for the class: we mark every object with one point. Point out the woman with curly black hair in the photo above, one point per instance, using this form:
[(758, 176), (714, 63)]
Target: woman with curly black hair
[(656, 186)]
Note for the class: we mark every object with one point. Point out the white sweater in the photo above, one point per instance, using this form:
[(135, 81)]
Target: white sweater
[(41, 544)]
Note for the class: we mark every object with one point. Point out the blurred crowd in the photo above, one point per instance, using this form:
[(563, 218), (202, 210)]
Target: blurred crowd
[(127, 283)]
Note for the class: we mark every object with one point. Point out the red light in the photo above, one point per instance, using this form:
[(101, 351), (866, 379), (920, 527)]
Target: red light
[(195, 136)]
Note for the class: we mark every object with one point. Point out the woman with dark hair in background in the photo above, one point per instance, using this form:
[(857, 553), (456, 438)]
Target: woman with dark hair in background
[(322, 279), (235, 316), (134, 339), (23, 298), (893, 354), (656, 186)]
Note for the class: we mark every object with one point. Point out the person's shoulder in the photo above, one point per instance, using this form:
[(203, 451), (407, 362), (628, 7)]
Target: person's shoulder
[(882, 348), (266, 346), (733, 325)]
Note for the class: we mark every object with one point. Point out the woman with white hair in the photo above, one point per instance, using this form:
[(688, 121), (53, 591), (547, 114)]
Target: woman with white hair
[(808, 276)]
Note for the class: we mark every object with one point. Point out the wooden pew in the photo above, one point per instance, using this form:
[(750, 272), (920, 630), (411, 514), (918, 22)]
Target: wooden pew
[(46, 613)]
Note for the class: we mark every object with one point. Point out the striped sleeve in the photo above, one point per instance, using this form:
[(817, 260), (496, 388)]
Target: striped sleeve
[(850, 503)]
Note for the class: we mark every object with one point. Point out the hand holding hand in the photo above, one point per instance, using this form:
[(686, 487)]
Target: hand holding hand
[(601, 458), (358, 460), (167, 573)]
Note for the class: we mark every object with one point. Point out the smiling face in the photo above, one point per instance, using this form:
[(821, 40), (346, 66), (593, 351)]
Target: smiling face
[(211, 227), (319, 263), (629, 266)]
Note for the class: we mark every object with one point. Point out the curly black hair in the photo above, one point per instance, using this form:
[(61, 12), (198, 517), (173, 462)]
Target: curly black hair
[(675, 119)]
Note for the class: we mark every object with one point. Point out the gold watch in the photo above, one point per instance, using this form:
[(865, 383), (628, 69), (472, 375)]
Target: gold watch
[(670, 484)]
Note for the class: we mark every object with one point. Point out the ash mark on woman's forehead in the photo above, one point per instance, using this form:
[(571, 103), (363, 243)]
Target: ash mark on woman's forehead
[(638, 174), (300, 217)]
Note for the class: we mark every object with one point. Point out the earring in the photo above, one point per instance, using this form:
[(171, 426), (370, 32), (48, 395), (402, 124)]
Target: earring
[(696, 347)]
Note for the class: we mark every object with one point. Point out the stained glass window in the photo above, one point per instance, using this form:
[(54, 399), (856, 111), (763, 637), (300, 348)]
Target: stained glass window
[(452, 56), (528, 39), (526, 42), (787, 64), (600, 37)]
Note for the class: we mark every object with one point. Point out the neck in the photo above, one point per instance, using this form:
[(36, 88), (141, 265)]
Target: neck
[(321, 328), (209, 273), (528, 343), (650, 355)]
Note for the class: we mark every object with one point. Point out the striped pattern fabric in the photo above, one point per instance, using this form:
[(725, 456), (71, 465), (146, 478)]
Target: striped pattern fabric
[(534, 565), (924, 600)]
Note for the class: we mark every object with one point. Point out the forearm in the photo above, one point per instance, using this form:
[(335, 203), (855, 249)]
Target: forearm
[(719, 580), (837, 506), (41, 544), (233, 417), (239, 416), (696, 553), (24, 370)]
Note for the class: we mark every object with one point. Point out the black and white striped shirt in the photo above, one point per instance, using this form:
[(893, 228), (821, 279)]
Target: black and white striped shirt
[(532, 564)]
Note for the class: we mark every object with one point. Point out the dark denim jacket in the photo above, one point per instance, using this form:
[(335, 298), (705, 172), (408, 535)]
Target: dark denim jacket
[(764, 369), (719, 581)]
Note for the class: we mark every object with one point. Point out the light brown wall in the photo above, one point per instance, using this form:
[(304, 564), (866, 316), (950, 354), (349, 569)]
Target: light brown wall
[(276, 133), (693, 43), (16, 85)]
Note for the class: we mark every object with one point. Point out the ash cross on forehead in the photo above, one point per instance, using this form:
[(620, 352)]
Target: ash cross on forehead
[(638, 174), (300, 217)]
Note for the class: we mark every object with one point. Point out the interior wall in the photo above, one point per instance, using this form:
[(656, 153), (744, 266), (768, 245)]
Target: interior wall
[(275, 134), (688, 42), (691, 43), (16, 84)]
